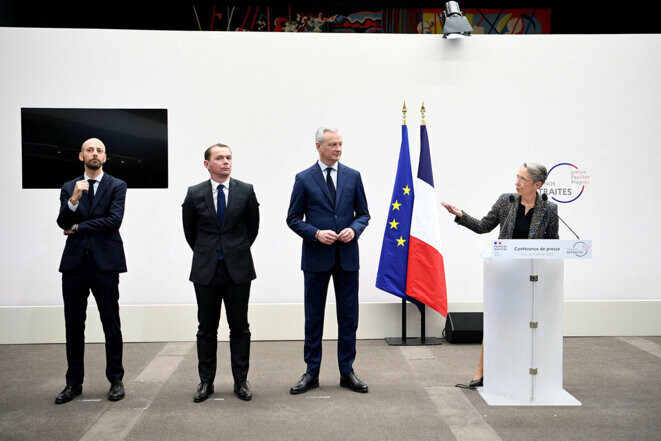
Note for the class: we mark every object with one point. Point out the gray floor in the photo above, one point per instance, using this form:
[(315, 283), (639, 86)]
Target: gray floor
[(411, 396)]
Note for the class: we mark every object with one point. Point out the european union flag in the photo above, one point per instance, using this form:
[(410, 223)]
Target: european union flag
[(391, 276)]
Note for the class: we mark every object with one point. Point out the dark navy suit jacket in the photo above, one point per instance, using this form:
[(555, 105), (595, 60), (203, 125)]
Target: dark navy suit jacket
[(98, 226), (311, 209)]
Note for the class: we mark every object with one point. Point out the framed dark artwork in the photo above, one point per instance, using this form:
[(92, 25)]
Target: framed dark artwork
[(136, 143)]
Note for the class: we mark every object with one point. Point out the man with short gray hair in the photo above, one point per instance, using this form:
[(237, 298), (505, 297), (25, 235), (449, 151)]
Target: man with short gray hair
[(328, 209)]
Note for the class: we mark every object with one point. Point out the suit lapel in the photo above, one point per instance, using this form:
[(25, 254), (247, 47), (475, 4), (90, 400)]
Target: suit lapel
[(536, 220), (320, 179), (341, 175), (84, 202), (511, 217), (208, 197), (103, 185), (231, 200)]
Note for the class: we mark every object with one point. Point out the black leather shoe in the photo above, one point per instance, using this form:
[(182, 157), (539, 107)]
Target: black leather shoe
[(350, 381), (477, 383), (242, 390), (306, 383), (67, 394), (203, 392), (116, 391)]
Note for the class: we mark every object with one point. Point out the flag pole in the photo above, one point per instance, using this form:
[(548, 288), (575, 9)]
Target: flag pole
[(422, 325), (394, 341), (423, 339), (404, 341), (422, 310), (404, 300), (404, 321)]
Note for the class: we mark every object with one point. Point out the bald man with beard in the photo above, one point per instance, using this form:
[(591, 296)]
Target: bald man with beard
[(91, 212)]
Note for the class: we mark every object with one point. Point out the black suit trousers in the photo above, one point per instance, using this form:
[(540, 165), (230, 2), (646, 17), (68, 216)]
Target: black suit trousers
[(209, 299), (76, 286)]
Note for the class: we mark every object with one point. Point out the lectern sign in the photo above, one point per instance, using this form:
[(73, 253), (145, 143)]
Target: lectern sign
[(540, 249)]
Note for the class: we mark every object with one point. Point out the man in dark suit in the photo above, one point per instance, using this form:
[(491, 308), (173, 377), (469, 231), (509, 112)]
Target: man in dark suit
[(328, 209), (221, 219), (91, 212)]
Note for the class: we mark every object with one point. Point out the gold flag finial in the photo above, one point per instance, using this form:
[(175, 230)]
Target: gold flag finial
[(404, 113), (423, 110)]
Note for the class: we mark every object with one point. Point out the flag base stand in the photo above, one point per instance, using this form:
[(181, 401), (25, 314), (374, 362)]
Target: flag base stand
[(398, 341), (415, 341)]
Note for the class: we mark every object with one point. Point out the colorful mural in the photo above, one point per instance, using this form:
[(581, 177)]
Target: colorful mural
[(483, 21), (389, 20), (510, 21)]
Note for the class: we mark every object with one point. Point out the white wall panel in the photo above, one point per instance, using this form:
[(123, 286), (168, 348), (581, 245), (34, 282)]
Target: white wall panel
[(493, 102)]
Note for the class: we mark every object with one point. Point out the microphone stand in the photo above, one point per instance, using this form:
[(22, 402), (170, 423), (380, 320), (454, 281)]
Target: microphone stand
[(545, 198)]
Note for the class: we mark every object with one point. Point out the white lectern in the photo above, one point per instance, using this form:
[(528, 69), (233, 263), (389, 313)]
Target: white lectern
[(523, 321)]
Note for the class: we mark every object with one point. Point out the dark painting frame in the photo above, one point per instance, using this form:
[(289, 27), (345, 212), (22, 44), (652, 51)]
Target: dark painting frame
[(136, 142)]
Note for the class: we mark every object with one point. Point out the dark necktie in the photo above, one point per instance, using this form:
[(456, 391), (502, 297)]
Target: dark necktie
[(222, 207), (90, 191), (329, 183)]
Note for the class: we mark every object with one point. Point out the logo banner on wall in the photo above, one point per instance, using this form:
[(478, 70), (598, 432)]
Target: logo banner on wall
[(566, 182)]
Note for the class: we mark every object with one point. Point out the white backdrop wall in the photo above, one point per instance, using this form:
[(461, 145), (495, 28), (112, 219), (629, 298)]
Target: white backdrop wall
[(492, 102)]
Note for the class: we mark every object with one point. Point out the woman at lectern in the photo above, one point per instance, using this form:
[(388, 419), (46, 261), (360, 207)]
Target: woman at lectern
[(524, 215)]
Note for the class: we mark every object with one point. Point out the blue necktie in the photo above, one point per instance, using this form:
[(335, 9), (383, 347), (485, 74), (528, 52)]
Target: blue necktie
[(329, 183), (222, 207)]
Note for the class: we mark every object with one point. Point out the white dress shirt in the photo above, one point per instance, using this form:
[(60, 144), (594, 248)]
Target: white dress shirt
[(214, 190), (333, 172)]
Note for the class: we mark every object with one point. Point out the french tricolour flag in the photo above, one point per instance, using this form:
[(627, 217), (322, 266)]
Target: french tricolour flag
[(425, 279)]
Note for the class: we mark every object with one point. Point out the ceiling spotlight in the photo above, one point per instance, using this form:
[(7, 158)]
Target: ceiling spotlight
[(455, 24)]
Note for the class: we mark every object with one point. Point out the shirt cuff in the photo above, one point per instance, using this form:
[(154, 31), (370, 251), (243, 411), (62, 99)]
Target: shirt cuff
[(72, 207)]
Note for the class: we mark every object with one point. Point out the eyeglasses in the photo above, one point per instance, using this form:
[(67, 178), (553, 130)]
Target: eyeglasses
[(521, 179)]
